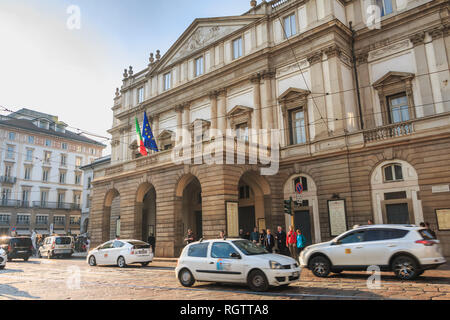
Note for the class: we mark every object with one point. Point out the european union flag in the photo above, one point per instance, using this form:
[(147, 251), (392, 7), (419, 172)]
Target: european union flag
[(147, 135)]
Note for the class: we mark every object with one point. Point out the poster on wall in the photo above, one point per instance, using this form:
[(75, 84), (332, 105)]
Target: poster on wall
[(261, 224), (232, 219), (443, 219), (337, 216)]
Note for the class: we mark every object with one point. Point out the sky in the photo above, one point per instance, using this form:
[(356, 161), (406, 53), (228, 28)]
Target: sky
[(50, 65)]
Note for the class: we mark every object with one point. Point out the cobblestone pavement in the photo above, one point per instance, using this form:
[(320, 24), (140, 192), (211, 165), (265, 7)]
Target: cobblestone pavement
[(74, 279)]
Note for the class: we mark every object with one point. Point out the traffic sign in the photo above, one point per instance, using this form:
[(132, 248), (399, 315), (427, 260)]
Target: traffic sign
[(299, 188)]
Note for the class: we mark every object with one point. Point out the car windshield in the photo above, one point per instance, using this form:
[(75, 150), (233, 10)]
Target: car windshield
[(63, 240), (249, 248), (139, 244), (21, 242)]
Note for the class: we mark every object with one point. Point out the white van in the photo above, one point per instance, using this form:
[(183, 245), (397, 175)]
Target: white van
[(57, 246)]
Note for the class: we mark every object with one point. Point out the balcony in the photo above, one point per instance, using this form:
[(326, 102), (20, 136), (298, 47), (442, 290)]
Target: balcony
[(14, 203), (389, 132), (8, 179), (5, 222), (278, 3), (23, 223), (56, 205)]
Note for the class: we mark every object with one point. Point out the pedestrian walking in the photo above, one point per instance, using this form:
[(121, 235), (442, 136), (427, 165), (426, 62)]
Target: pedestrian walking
[(254, 236), (301, 242), (280, 238), (291, 242), (262, 237), (241, 234), (222, 234), (33, 241), (88, 244), (269, 241), (428, 226), (189, 237)]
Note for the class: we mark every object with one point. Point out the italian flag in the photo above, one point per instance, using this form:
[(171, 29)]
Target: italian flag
[(142, 148)]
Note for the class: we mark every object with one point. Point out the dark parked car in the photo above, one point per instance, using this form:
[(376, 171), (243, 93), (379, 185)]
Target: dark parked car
[(17, 247)]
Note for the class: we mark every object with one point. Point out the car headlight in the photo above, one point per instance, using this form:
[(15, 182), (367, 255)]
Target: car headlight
[(274, 265)]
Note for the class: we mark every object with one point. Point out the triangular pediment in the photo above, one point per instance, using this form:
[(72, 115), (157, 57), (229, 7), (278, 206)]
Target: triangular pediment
[(201, 122), (165, 134), (393, 77), (237, 110), (201, 34), (292, 93)]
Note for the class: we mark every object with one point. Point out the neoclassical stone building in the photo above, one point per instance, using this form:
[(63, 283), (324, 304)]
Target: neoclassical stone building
[(363, 113)]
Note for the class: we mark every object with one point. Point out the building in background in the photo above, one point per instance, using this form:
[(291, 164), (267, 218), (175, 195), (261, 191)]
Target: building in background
[(41, 181), (88, 177), (364, 120)]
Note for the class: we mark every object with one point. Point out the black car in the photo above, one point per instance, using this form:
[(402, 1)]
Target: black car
[(17, 247)]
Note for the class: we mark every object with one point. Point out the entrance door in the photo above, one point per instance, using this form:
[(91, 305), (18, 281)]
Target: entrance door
[(397, 213), (302, 221), (247, 218), (199, 225)]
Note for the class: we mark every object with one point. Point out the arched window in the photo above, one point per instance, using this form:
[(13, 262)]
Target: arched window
[(393, 172)]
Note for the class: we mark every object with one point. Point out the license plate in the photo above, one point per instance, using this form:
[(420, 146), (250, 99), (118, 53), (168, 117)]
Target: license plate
[(141, 252)]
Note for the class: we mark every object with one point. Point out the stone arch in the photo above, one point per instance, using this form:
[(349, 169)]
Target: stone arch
[(390, 198), (109, 203), (145, 212), (310, 209)]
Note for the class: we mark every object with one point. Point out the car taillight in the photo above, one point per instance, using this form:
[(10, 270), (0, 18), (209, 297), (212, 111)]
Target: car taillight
[(53, 245), (132, 250), (9, 248), (427, 243)]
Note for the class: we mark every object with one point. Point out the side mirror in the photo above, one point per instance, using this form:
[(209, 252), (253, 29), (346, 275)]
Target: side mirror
[(235, 255)]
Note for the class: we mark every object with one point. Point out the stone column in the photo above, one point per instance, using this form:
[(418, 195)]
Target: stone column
[(336, 109), (368, 111), (222, 111), (213, 99), (442, 70), (423, 77), (267, 100), (255, 80), (179, 111), (317, 105)]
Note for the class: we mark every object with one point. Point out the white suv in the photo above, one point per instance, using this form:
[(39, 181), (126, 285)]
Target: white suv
[(3, 259), (235, 261), (404, 249)]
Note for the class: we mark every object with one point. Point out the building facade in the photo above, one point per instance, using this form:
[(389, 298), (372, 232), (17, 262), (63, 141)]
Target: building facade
[(88, 177), (41, 180), (357, 91)]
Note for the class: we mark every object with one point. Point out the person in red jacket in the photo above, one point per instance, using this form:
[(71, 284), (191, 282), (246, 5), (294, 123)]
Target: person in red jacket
[(291, 242)]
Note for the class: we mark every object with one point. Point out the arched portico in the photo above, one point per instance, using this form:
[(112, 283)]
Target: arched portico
[(145, 214)]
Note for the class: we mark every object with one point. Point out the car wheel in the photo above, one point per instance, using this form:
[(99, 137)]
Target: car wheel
[(320, 267), (26, 259), (257, 281), (2, 267), (92, 261), (405, 268), (144, 264), (121, 262), (186, 278), (9, 259)]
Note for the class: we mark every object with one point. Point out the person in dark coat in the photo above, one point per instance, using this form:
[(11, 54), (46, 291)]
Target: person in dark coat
[(254, 236), (280, 237), (262, 237), (269, 241), (428, 226)]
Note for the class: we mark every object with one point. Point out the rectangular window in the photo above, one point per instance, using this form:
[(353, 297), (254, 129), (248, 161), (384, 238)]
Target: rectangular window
[(64, 146), (141, 95), (399, 109), (10, 154), (44, 197), (89, 182), (297, 126), (25, 197), (45, 174), (42, 220), (29, 156), (47, 156), (5, 219), (12, 136), (27, 175), (63, 159), (78, 162), (385, 7), (62, 177), (23, 220), (242, 132), (48, 142), (78, 178), (8, 170), (6, 194), (237, 48), (290, 27), (31, 139), (167, 81), (59, 220), (198, 66)]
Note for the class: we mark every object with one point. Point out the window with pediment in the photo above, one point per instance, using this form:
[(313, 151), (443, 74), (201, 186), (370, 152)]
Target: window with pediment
[(294, 104), (396, 97), (240, 119), (166, 140), (200, 130)]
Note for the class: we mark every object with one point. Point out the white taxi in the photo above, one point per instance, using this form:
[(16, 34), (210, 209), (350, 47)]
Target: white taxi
[(3, 259), (407, 250), (121, 253), (235, 261)]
